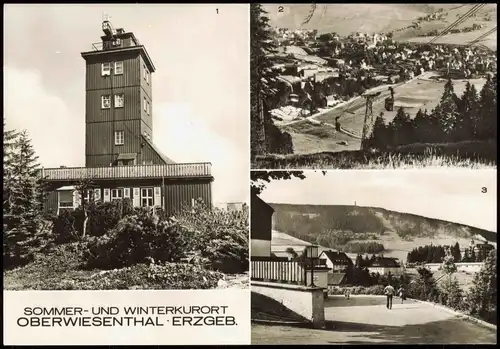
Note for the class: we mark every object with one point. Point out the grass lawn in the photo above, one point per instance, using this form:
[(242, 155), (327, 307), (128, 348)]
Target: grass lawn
[(327, 160)]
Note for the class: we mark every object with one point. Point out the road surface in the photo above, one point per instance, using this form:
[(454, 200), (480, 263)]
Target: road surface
[(365, 319)]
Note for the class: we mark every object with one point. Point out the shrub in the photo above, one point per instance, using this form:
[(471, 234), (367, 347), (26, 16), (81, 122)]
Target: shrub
[(357, 290), (219, 237), (60, 257), (139, 238), (103, 216), (451, 295), (482, 297), (375, 290), (63, 228)]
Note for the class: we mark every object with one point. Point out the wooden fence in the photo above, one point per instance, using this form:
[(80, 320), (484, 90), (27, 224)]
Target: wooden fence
[(278, 271)]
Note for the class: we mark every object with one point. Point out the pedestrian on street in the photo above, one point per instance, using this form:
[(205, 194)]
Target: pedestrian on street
[(389, 291), (402, 294), (347, 293)]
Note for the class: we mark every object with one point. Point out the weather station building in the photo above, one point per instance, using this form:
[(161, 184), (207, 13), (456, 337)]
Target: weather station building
[(121, 159)]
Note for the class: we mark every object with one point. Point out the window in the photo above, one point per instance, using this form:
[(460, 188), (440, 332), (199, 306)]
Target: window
[(119, 137), (65, 199), (119, 68), (145, 104), (147, 197), (89, 195), (147, 107), (145, 71), (119, 100), (105, 69), (147, 77), (116, 194), (105, 102)]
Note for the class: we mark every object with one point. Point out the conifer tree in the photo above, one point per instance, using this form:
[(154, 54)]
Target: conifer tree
[(482, 296), (9, 142), (403, 128), (380, 134), (24, 215), (455, 251), (447, 111), (264, 135), (487, 123), (467, 116)]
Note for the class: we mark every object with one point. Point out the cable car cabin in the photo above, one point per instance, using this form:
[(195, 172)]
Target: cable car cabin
[(389, 104)]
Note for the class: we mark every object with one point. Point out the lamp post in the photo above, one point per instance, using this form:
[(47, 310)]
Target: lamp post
[(312, 254)]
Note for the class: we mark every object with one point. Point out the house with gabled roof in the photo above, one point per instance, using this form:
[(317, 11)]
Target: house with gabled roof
[(385, 265)]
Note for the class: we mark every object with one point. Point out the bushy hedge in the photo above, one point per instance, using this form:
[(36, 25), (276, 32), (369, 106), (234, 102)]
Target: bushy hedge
[(220, 238), (102, 217), (139, 238), (371, 290), (119, 235), (63, 228)]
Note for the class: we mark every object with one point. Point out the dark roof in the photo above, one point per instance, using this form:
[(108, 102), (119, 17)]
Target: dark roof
[(336, 278), (337, 257), (385, 262), (257, 203), (166, 159)]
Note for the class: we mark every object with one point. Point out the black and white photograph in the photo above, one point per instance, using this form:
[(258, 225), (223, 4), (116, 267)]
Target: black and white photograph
[(106, 187), (373, 86), (373, 257)]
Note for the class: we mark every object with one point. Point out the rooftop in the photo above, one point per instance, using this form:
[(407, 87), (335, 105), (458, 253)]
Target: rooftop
[(337, 256), (385, 262)]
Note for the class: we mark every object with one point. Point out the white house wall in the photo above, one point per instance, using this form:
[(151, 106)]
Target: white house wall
[(385, 270), (260, 248)]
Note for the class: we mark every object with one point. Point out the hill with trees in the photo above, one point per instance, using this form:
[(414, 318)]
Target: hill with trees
[(349, 227)]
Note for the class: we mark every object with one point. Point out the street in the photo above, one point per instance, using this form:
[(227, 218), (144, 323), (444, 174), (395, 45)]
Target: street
[(365, 319)]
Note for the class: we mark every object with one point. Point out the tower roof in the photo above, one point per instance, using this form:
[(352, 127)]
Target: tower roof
[(112, 43)]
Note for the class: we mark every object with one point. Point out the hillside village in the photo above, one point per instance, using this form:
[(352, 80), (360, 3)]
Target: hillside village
[(313, 72)]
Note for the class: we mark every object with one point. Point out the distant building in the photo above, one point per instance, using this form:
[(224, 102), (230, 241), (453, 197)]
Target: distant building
[(261, 227), (231, 206), (336, 260), (385, 265)]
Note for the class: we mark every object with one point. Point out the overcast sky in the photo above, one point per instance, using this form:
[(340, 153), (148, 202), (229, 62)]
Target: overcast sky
[(200, 88), (451, 195)]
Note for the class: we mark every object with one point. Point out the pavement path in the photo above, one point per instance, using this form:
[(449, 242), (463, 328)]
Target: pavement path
[(365, 319)]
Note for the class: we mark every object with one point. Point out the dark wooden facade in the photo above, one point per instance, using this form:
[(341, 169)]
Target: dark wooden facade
[(134, 118), (261, 219), (135, 168), (173, 196)]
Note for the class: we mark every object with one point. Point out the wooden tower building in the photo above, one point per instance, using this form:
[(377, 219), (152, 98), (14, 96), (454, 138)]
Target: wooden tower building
[(120, 157)]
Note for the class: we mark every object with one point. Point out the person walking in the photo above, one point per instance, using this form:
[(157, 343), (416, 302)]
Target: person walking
[(402, 294), (389, 291), (347, 293)]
